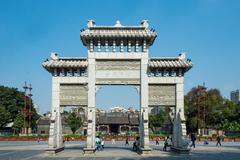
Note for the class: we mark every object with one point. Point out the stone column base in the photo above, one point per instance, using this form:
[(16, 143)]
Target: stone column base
[(88, 151), (144, 151), (53, 151), (180, 150)]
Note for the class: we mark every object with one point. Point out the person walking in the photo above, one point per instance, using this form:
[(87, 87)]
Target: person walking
[(127, 143), (113, 141), (98, 143), (193, 139), (157, 141), (102, 143), (136, 144), (218, 141), (167, 143)]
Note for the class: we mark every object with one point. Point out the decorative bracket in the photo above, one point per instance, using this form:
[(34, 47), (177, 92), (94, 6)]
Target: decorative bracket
[(97, 88), (137, 89)]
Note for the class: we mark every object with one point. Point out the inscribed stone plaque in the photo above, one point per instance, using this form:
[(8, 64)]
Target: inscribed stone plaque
[(118, 65), (74, 94), (162, 95), (118, 71)]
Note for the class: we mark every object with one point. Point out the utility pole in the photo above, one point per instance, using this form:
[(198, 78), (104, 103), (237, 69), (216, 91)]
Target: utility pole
[(24, 130), (201, 107), (27, 109)]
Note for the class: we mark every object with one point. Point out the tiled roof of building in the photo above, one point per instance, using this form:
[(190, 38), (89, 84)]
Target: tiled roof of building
[(118, 32), (62, 62), (118, 118), (125, 32), (43, 121), (170, 63), (134, 121), (113, 120)]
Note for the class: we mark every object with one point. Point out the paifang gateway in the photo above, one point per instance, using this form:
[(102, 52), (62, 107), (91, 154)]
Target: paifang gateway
[(117, 55)]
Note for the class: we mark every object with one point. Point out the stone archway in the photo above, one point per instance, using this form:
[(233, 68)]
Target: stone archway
[(117, 55)]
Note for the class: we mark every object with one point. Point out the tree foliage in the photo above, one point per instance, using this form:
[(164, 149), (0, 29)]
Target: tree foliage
[(11, 105), (18, 123), (5, 117), (219, 112), (157, 120), (74, 121)]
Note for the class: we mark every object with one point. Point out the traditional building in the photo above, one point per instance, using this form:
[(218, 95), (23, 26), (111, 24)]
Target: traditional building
[(117, 121)]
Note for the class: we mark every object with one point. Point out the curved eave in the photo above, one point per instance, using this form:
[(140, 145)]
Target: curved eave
[(64, 63), (170, 63), (88, 35)]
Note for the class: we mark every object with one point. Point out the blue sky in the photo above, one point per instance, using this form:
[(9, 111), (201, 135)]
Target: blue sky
[(207, 30)]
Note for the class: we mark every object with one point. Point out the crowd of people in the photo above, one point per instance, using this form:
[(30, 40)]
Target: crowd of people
[(167, 143)]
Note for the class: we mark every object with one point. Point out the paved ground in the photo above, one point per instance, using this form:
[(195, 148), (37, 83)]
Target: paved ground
[(35, 151)]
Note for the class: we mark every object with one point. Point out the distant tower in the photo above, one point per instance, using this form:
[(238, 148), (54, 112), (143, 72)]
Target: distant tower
[(235, 96)]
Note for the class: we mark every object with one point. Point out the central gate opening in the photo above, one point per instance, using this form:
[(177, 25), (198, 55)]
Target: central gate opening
[(117, 110), (114, 128)]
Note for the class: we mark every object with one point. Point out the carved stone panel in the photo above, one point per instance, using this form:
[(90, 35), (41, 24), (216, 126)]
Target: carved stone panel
[(120, 81), (118, 71), (162, 95), (73, 94), (118, 65)]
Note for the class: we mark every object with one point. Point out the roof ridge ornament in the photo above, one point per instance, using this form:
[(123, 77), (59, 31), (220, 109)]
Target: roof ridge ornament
[(54, 56), (182, 55), (144, 23), (117, 24), (91, 23)]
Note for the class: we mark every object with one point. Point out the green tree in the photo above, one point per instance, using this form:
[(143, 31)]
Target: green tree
[(74, 122), (220, 113), (11, 105), (5, 117), (157, 120), (18, 123)]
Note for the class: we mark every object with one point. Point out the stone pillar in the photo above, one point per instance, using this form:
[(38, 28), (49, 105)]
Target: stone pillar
[(99, 46), (180, 105), (106, 46), (121, 46), (55, 141), (179, 126), (114, 46), (144, 132), (91, 46), (91, 129), (129, 46), (136, 46)]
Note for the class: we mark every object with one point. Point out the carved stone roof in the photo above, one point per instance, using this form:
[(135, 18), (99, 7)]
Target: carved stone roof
[(65, 62), (170, 63), (118, 32)]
